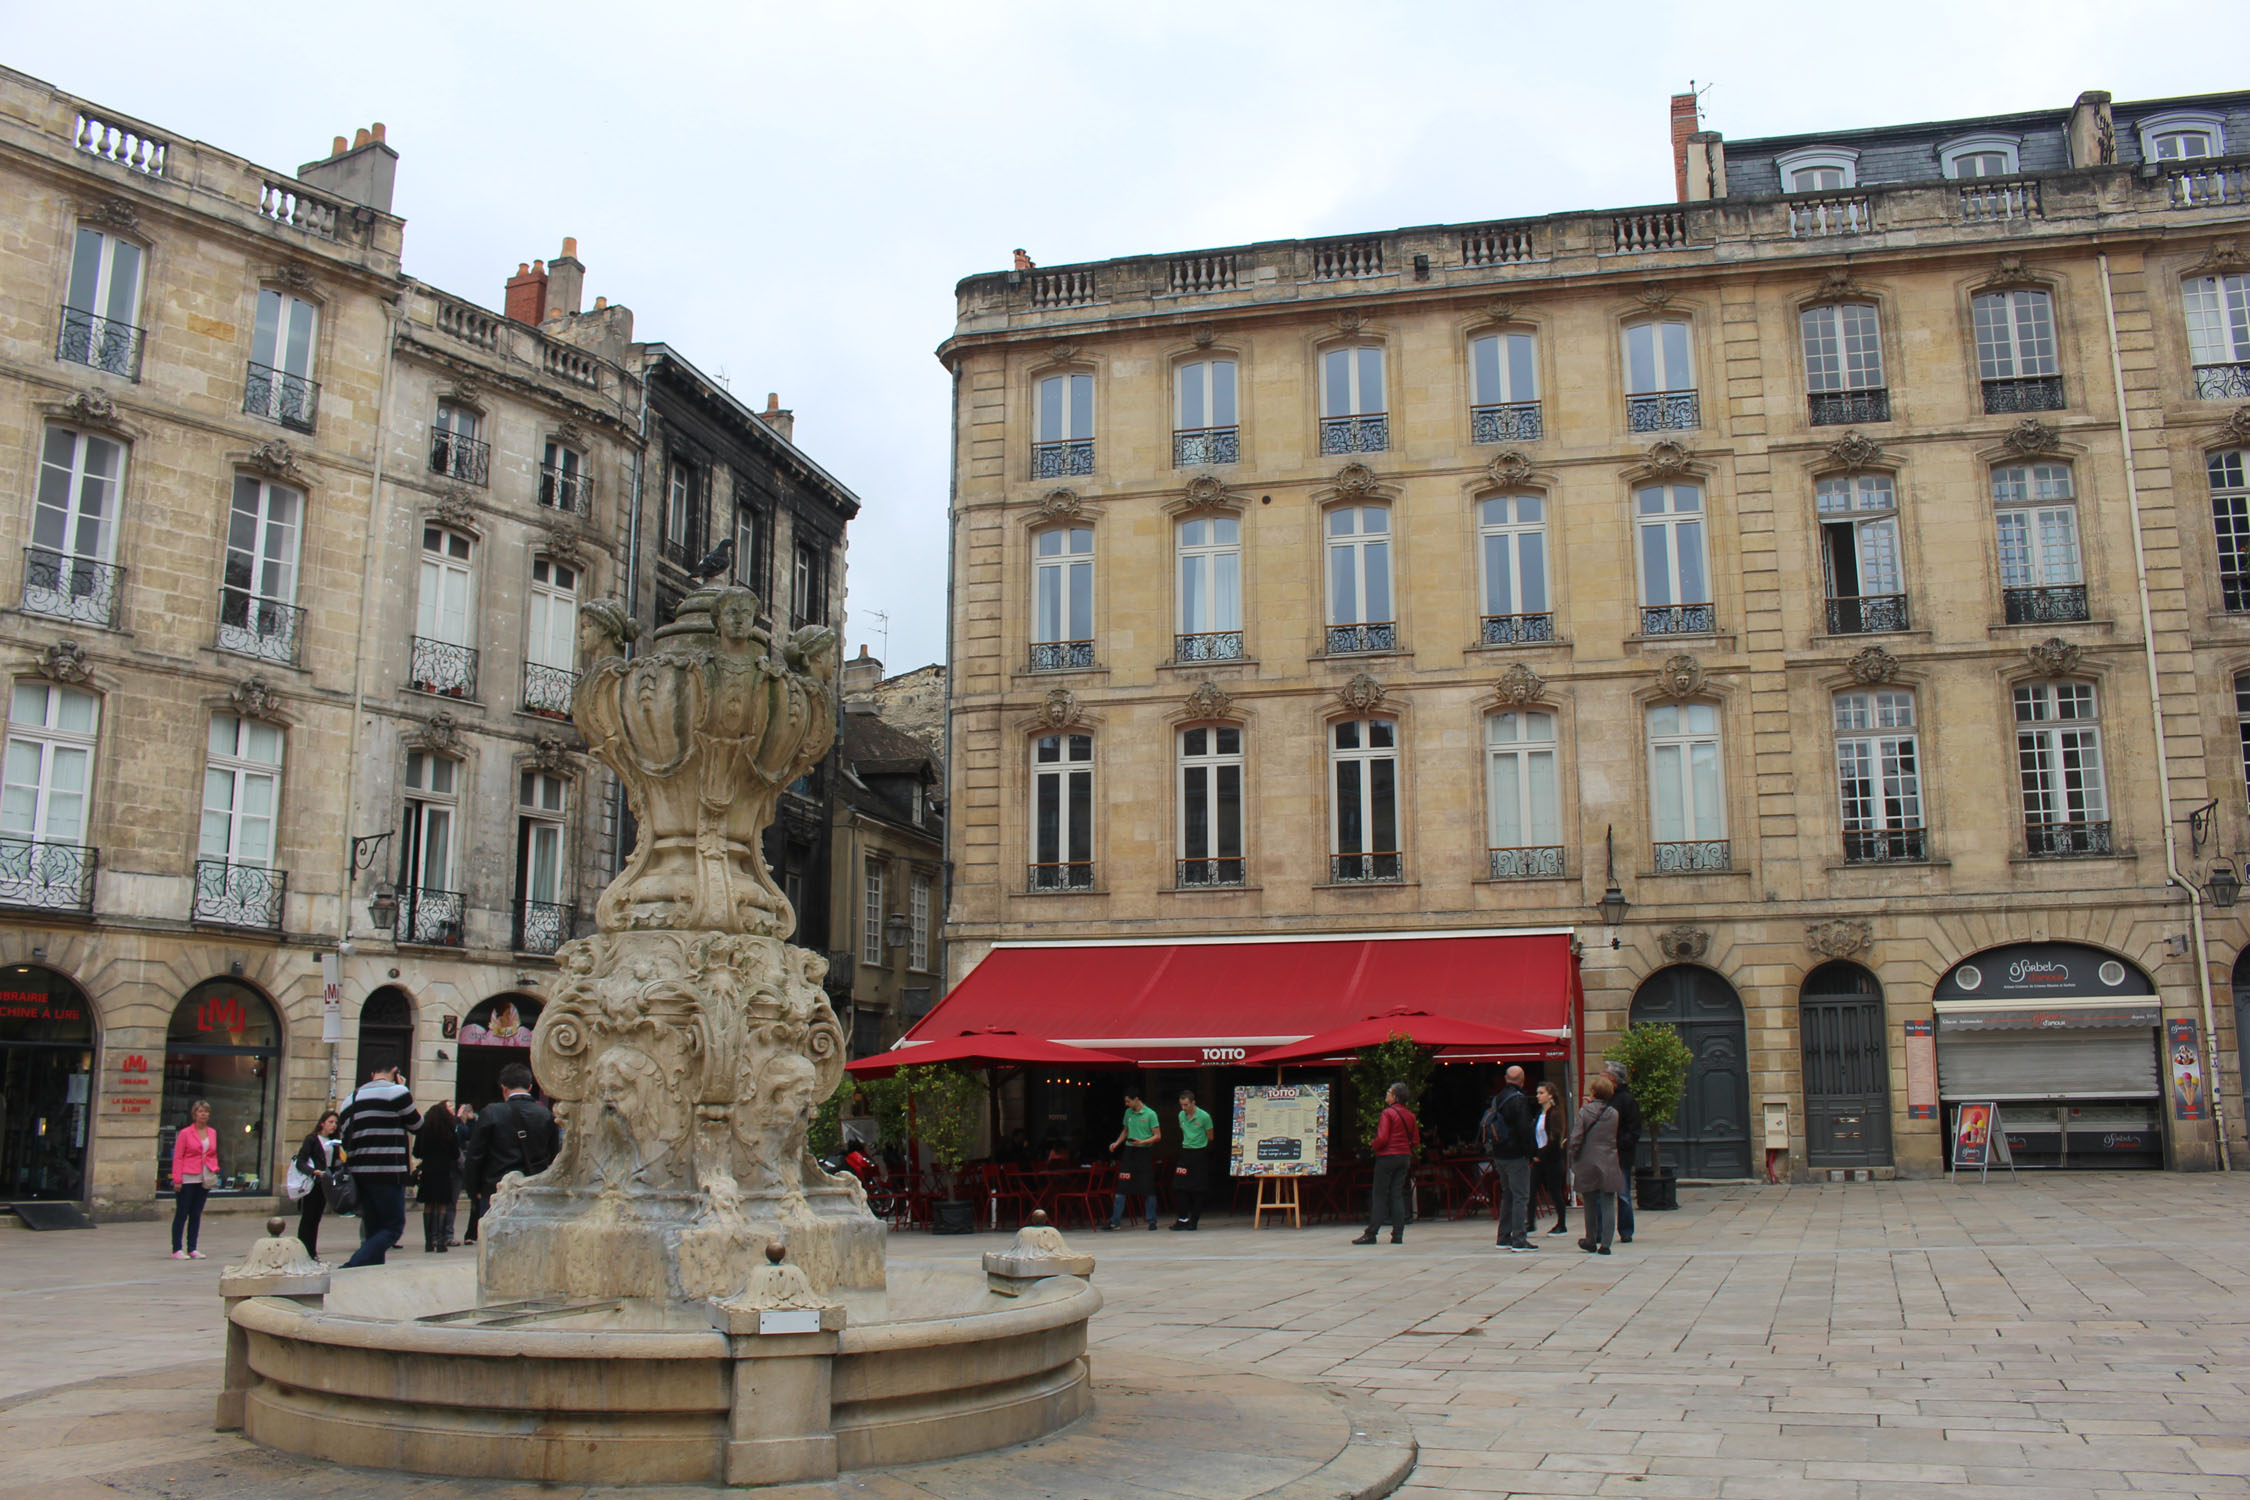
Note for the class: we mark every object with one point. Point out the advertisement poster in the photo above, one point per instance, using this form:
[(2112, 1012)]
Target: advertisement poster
[(1972, 1135), (1921, 1070), (1280, 1130), (2184, 1066)]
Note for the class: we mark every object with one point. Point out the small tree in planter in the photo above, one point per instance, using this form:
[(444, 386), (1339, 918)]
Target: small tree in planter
[(945, 1104), (1399, 1060), (1656, 1065)]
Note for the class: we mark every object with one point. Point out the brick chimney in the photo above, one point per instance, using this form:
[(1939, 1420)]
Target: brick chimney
[(566, 281), (783, 421), (527, 293), (862, 672), (1683, 126)]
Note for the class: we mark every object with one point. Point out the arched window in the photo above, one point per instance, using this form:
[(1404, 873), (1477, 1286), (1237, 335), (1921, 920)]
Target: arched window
[(102, 307), (1879, 776), (445, 657), (1062, 812), (1210, 799), (386, 1032), (1844, 364), (1062, 592), (1361, 616), (2035, 508), (2059, 770), (1354, 413), (224, 1049), (429, 907), (2016, 350), (1210, 589), (69, 569), (1687, 787), (1523, 811), (1659, 377), (1512, 556), (48, 779), (550, 655), (1363, 810), (47, 1059)]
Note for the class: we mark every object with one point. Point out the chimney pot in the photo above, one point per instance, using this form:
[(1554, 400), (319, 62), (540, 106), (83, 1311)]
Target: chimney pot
[(570, 246), (340, 147), (773, 403), (600, 303), (378, 128), (360, 137)]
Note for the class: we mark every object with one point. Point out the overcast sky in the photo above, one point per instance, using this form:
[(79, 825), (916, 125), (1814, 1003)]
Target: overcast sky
[(787, 192)]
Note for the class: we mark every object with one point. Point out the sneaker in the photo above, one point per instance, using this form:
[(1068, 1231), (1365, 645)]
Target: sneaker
[(1525, 1245), (1560, 1229), (1519, 1249), (1108, 1227), (195, 1255), (179, 1255)]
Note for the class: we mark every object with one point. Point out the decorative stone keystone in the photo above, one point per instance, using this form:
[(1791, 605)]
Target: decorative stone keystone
[(1039, 1252), (277, 1266)]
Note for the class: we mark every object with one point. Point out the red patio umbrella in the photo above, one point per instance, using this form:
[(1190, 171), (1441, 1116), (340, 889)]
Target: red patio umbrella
[(990, 1047), (1446, 1033)]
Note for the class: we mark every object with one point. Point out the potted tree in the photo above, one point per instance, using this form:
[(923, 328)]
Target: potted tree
[(1656, 1065), (943, 1103)]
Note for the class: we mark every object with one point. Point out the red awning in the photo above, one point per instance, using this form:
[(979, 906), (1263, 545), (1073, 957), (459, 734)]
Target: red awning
[(1216, 1000)]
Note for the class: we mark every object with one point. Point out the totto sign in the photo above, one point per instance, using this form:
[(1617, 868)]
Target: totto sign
[(1223, 1054), (221, 1013)]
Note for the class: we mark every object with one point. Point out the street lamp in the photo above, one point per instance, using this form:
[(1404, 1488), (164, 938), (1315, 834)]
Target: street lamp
[(896, 929), (2224, 886), (383, 909), (1613, 903)]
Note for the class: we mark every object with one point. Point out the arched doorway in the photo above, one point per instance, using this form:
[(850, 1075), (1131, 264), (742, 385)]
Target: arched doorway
[(1711, 1136), (1847, 1068), (46, 1084), (495, 1033), (386, 1032), (224, 1047)]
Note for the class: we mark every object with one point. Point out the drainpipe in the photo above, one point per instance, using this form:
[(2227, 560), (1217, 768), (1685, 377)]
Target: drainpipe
[(2156, 706), (952, 546), (618, 852)]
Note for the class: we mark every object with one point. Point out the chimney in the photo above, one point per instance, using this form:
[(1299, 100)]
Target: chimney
[(527, 293), (566, 280), (784, 421), (363, 171), (1706, 166), (1683, 126), (2093, 135), (862, 672)]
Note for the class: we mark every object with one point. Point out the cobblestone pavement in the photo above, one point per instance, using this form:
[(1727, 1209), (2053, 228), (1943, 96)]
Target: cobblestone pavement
[(2073, 1335)]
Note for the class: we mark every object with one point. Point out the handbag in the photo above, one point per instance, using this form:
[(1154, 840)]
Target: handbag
[(296, 1184), (343, 1192)]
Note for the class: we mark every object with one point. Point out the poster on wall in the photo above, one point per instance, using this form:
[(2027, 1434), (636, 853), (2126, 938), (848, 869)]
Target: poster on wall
[(2184, 1066), (1280, 1130), (1921, 1070), (500, 1022)]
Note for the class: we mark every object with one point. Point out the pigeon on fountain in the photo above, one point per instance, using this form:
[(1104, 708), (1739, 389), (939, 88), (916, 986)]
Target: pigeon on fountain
[(715, 562)]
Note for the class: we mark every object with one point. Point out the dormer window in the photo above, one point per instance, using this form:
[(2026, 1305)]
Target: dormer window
[(1821, 169), (1980, 156), (2182, 135)]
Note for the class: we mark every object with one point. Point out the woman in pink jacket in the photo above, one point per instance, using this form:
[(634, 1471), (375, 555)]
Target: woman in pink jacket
[(195, 1171)]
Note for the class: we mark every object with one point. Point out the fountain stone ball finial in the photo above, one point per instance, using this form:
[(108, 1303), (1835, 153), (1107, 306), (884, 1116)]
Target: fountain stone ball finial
[(775, 1250), (275, 1226)]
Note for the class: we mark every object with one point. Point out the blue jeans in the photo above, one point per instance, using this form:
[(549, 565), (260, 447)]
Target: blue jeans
[(1625, 1208), (1117, 1213), (382, 1208), (187, 1213), (1601, 1219)]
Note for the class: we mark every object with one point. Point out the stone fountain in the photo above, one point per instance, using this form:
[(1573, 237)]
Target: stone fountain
[(684, 1295)]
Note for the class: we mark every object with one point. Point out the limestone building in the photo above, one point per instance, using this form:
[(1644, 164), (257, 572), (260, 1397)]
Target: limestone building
[(1823, 598)]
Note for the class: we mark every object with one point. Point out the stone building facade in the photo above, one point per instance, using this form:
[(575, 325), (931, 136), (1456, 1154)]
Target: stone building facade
[(1809, 592), (888, 882)]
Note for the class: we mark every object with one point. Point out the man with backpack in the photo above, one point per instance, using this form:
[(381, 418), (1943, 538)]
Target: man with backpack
[(516, 1135), (1507, 1135)]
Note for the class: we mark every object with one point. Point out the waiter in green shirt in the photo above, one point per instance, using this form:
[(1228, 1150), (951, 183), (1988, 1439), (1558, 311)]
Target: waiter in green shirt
[(1136, 1167), (1193, 1178)]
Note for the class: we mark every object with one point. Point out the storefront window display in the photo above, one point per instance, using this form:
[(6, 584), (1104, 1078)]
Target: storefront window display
[(224, 1047), (46, 1081), (493, 1034)]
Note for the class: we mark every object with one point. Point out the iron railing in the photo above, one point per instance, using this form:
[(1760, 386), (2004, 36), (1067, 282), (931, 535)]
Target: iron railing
[(2222, 382), (279, 396), (1516, 630), (1061, 656), (265, 628), (1369, 434), (1693, 854), (2024, 393), (1209, 645), (1866, 614), (456, 455), (563, 489), (2059, 603), (1206, 445), (1375, 867), (430, 917), (2066, 840), (1679, 619), (1202, 874), (1067, 875), (81, 589), (686, 551), (1373, 635), (47, 876), (542, 926), (1840, 408), (1525, 864), (1875, 846), (1512, 422), (236, 895), (1055, 460), (1662, 411), (547, 690), (443, 668), (102, 343)]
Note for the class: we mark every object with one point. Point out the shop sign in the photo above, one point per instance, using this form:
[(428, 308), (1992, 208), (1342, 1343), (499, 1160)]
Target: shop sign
[(2075, 1017), (220, 1011), (1979, 1139), (2185, 1069), (132, 1079), (331, 999), (2025, 971), (1224, 1054), (1280, 1130), (1921, 1070), (36, 1005)]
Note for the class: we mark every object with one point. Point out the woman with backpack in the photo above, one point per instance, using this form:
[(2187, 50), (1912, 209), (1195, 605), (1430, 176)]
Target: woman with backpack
[(1593, 1159)]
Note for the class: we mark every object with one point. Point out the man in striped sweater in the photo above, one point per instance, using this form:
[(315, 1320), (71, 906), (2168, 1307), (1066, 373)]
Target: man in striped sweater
[(376, 1128)]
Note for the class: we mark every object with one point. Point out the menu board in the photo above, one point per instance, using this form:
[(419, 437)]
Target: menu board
[(1280, 1130)]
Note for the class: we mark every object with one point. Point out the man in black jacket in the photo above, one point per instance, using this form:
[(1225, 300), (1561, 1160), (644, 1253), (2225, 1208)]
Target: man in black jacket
[(1508, 1137), (1629, 1128), (516, 1135)]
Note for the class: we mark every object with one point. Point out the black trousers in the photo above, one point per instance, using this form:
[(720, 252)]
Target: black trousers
[(1387, 1204), (309, 1209), (1555, 1178)]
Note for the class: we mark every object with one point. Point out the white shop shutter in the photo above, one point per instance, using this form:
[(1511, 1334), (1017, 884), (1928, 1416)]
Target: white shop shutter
[(2070, 1064)]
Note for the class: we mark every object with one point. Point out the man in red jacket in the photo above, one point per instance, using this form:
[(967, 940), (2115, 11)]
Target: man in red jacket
[(1397, 1139)]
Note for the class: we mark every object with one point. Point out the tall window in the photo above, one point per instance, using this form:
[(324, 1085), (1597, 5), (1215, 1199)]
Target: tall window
[(550, 656), (2059, 767), (564, 483), (1062, 627), (101, 309), (1210, 799), (1859, 555), (2035, 510), (1879, 776), (457, 449), (543, 903), (444, 661), (1204, 424), (750, 547), (918, 924), (1503, 389), (1360, 614), (1675, 582), (1659, 377), (280, 385), (871, 914), (43, 793), (2016, 351), (683, 514), (808, 585), (2242, 720), (1354, 417), (1062, 812), (1844, 364), (430, 909), (258, 613), (1687, 787), (1512, 554), (68, 569), (235, 883), (1522, 809), (1363, 819), (2229, 475), (1063, 417), (2218, 324), (1210, 552)]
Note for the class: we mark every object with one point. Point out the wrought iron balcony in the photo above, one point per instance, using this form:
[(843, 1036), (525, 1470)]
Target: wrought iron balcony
[(2024, 393), (1210, 645), (265, 628), (1516, 630), (2222, 382), (1662, 411), (102, 343), (1679, 619), (1839, 408), (2066, 840), (1513, 422), (1056, 460), (278, 396), (2060, 603), (456, 455), (432, 918), (235, 895), (542, 926), (1061, 656), (45, 876), (1373, 635), (1693, 854), (686, 551), (1866, 614), (1069, 875), (1876, 846), (1525, 864), (1207, 874), (71, 588), (1205, 445), (443, 668), (563, 489), (1376, 867), (1369, 434), (547, 690)]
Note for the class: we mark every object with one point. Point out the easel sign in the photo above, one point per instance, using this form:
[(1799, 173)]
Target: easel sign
[(1980, 1140), (1279, 1135)]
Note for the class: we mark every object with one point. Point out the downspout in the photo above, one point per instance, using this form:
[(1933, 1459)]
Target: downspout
[(952, 546), (2156, 706), (618, 852)]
